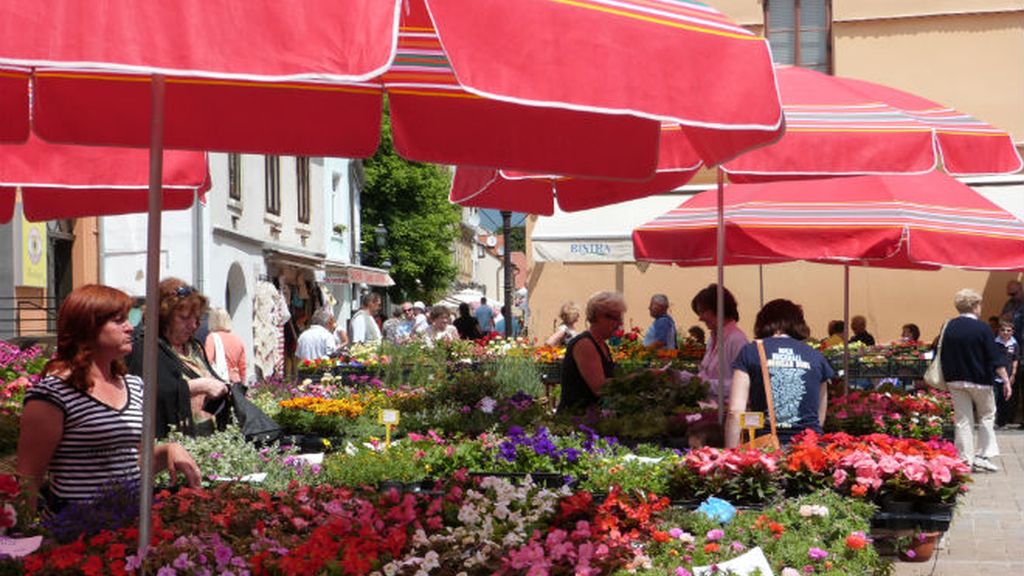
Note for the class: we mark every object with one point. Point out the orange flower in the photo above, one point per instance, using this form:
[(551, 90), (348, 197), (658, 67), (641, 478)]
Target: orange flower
[(711, 547)]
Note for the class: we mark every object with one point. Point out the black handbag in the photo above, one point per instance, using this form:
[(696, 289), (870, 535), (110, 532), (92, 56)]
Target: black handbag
[(254, 423)]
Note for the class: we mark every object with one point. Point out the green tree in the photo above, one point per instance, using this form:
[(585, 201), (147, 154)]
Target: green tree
[(516, 238), (411, 200)]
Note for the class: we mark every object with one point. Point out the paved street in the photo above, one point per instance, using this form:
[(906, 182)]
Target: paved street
[(987, 534)]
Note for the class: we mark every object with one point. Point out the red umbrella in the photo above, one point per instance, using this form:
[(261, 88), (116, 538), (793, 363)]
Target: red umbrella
[(66, 181), (841, 126), (925, 222), (602, 73), (536, 193), (305, 78)]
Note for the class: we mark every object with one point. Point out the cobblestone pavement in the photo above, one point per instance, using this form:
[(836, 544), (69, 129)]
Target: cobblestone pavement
[(987, 533)]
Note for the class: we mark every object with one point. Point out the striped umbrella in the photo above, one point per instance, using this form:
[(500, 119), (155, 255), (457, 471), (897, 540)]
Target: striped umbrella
[(569, 87), (536, 193), (842, 126), (916, 222), (67, 181)]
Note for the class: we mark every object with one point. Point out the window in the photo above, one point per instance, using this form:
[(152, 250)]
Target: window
[(302, 187), (272, 173), (235, 177), (800, 32)]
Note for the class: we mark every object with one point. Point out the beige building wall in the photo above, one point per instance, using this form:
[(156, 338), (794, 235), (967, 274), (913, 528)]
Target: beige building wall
[(969, 55), (85, 256)]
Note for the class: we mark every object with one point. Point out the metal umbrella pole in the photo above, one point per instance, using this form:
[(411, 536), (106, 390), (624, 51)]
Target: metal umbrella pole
[(506, 258), (720, 297), (152, 320)]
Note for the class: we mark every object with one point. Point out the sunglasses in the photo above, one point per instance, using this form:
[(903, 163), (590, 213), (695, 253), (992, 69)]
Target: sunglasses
[(184, 291)]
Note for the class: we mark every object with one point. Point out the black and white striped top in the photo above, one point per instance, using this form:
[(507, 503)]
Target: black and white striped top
[(100, 445)]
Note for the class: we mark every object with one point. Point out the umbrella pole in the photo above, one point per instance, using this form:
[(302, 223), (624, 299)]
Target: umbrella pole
[(720, 297), (846, 328), (152, 326), (506, 257)]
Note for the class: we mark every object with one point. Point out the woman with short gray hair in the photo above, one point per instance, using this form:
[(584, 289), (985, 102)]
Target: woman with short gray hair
[(588, 361), (971, 361)]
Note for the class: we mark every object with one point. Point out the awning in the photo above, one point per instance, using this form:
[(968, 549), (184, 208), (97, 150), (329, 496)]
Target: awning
[(295, 258), (342, 273), (600, 235), (604, 235)]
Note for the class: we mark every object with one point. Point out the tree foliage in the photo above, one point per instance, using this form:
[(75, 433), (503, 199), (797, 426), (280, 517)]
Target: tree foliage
[(411, 200)]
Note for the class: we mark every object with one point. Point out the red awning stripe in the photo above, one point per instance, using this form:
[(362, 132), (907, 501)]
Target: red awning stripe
[(678, 15)]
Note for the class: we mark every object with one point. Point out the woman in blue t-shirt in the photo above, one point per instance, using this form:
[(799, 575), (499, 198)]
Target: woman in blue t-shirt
[(799, 375)]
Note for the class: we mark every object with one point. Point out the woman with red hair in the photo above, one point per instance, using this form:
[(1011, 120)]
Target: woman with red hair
[(82, 424)]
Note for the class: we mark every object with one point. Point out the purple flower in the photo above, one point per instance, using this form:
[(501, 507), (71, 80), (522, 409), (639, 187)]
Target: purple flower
[(507, 450), (715, 535), (222, 554), (680, 571), (181, 562), (817, 554), (166, 571), (675, 532)]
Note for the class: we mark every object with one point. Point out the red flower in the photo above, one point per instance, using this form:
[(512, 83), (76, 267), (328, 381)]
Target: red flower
[(711, 547), (856, 541)]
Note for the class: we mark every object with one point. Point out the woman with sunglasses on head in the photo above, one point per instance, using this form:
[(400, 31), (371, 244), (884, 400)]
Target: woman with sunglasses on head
[(588, 361), (82, 424), (185, 379)]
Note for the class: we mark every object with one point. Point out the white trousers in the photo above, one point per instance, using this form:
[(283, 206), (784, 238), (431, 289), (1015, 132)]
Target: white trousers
[(968, 397)]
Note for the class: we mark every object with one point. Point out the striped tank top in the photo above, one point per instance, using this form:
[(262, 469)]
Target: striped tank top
[(100, 444)]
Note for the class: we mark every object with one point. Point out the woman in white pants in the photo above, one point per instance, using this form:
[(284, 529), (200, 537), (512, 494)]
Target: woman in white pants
[(971, 360)]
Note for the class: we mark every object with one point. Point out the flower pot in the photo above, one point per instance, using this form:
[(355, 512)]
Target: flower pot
[(934, 508), (921, 547), (891, 505)]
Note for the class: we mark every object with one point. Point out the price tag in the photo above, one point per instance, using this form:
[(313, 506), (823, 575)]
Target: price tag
[(388, 417), (752, 420)]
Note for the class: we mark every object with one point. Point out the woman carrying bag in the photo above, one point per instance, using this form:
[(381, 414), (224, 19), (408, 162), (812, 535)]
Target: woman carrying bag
[(797, 375)]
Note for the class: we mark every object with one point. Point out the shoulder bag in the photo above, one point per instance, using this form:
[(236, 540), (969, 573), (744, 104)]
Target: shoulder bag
[(768, 441), (933, 376)]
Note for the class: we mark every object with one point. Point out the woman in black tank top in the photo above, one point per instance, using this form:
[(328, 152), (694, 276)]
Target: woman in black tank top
[(588, 362)]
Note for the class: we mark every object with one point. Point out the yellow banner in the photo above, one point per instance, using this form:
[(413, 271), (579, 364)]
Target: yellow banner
[(33, 253)]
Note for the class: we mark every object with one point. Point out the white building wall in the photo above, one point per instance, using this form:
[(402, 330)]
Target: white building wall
[(123, 249)]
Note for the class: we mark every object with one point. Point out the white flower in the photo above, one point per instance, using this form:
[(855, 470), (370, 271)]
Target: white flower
[(488, 404)]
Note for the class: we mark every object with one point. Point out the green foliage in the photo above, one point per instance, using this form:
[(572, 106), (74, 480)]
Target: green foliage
[(227, 455), (411, 200), (366, 467), (786, 533), (514, 374)]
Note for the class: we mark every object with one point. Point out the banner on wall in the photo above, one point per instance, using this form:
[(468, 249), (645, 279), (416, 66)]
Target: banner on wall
[(33, 254)]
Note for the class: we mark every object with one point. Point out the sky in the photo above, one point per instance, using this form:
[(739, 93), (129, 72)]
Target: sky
[(491, 219)]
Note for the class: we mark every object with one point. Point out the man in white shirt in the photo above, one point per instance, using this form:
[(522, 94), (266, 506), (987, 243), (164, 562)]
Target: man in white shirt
[(363, 325), (420, 325), (318, 340)]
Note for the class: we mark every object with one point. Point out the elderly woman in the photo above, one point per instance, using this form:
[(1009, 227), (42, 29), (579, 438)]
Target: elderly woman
[(82, 423), (588, 361), (224, 348), (185, 379), (728, 343), (799, 375), (971, 360), (569, 315), (440, 326)]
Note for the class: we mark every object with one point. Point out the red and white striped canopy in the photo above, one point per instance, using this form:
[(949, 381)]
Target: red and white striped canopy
[(913, 221), (839, 126), (542, 85), (536, 193), (68, 181)]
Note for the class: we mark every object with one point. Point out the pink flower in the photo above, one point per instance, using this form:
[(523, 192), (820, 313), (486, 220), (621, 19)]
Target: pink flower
[(680, 571), (715, 535), (817, 554)]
